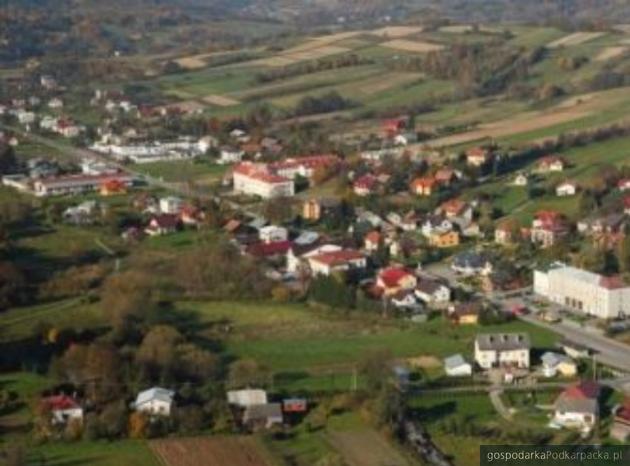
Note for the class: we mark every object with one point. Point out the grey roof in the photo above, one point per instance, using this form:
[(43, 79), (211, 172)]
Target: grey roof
[(577, 405), (454, 361), (503, 341), (263, 412), (155, 393), (470, 259), (553, 359), (428, 286)]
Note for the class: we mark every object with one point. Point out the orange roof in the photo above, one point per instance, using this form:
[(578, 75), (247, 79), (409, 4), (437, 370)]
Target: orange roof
[(454, 206), (392, 276), (258, 172), (425, 182), (373, 237)]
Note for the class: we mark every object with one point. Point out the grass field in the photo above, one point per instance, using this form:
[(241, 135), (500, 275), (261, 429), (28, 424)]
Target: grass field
[(296, 339), (182, 171), (101, 453)]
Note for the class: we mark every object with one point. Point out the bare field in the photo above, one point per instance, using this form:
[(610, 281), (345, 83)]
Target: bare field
[(300, 53), (576, 38), (210, 451), (624, 28), (412, 46), (397, 31), (220, 101), (366, 448), (611, 52)]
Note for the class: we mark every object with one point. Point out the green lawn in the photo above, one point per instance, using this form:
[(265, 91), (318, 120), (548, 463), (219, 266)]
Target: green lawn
[(100, 453), (182, 171), (294, 338)]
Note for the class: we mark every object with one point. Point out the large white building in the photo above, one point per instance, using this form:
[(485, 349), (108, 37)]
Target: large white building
[(583, 291), (255, 179)]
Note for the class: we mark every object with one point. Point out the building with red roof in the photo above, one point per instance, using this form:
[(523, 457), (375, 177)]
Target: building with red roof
[(271, 249), (305, 166), (392, 280), (577, 407), (258, 180), (551, 163), (77, 184), (163, 224), (63, 408), (365, 185), (478, 156), (548, 227), (372, 240), (336, 261)]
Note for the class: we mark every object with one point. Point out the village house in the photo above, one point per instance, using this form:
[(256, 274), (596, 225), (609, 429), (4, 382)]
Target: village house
[(424, 186), (506, 232), (255, 179), (443, 240), (623, 184), (262, 416), (472, 263), (626, 205), (435, 224), (406, 138), (456, 366), (548, 227), (583, 291), (171, 204), (63, 408), (393, 126), (163, 224), (316, 209), (82, 214), (112, 188), (478, 156), (336, 261), (305, 166), (465, 313), (297, 255), (273, 234), (554, 364), (432, 292), (620, 429), (577, 407), (521, 180), (262, 250), (566, 188), (445, 176), (365, 185), (155, 401), (550, 164), (456, 209), (229, 154), (502, 350), (391, 280), (372, 241)]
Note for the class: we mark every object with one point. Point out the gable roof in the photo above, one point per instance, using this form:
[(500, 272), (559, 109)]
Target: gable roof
[(454, 361), (155, 394), (503, 341), (392, 276)]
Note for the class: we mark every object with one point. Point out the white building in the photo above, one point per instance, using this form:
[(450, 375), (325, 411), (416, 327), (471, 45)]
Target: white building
[(247, 397), (502, 350), (432, 292), (583, 291), (229, 155), (155, 401), (577, 407), (456, 366), (566, 189), (171, 205), (256, 180), (272, 234), (336, 261)]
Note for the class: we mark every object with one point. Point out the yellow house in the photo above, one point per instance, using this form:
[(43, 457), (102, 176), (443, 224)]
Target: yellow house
[(444, 240), (465, 313)]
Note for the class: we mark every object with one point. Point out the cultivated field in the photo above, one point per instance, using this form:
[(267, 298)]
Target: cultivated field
[(397, 31), (366, 448), (412, 46), (220, 100), (301, 53), (210, 451), (611, 52), (576, 38)]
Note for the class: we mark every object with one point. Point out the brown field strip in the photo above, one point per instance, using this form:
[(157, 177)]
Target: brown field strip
[(412, 46), (210, 451), (396, 31), (576, 38), (220, 100), (611, 52)]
